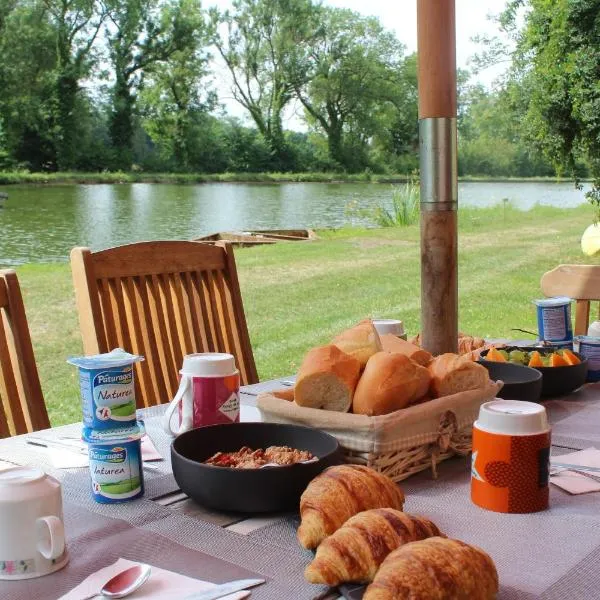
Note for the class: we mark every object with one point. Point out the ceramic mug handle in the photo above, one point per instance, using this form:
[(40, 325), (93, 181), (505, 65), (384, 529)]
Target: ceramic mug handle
[(186, 413), (51, 537)]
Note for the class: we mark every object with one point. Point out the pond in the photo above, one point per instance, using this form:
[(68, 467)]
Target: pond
[(43, 223)]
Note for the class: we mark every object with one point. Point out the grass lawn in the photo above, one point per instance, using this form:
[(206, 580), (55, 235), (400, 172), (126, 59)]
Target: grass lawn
[(299, 295)]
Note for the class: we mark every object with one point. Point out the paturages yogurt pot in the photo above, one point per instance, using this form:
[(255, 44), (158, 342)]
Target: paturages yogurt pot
[(115, 459), (107, 388)]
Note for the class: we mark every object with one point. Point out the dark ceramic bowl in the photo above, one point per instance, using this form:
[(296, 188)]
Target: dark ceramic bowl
[(270, 489), (520, 383), (556, 381)]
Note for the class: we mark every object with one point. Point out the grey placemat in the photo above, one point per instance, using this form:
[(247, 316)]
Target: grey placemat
[(95, 541)]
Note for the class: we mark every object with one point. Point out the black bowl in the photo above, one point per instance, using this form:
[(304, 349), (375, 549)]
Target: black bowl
[(270, 489), (556, 381), (520, 383)]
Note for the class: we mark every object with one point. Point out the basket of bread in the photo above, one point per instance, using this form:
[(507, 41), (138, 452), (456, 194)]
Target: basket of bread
[(391, 405)]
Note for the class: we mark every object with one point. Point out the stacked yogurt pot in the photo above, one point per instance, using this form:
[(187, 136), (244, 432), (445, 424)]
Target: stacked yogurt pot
[(110, 425)]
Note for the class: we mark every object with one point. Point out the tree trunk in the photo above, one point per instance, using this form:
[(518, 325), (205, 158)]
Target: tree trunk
[(66, 92), (121, 125)]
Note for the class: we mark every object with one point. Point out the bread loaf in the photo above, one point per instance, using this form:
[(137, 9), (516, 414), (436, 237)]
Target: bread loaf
[(360, 341), (435, 568), (339, 493), (451, 374), (392, 343), (357, 549), (327, 379), (389, 382)]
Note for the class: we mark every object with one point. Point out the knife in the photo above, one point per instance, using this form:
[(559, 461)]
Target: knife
[(567, 466), (225, 589)]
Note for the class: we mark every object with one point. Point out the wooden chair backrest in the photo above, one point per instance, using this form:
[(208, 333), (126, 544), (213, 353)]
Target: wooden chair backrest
[(580, 282), (162, 300), (22, 408)]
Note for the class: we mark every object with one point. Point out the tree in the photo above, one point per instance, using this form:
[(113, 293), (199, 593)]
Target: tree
[(27, 81), (176, 94), (141, 35), (264, 45), (355, 79), (557, 60), (76, 25)]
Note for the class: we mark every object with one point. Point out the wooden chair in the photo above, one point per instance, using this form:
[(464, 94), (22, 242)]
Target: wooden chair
[(580, 282), (22, 408), (162, 300)]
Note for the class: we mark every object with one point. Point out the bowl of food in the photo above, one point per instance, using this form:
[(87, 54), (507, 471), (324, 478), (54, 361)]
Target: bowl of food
[(251, 467), (563, 370), (520, 382)]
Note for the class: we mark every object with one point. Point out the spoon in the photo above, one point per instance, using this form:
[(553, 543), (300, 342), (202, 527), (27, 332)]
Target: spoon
[(124, 583)]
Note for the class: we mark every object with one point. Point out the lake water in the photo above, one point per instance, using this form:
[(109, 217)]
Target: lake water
[(43, 223)]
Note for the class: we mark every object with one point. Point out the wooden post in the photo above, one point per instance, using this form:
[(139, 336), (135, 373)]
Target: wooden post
[(438, 162)]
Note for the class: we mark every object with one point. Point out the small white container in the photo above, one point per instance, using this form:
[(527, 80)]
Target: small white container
[(393, 326), (594, 329)]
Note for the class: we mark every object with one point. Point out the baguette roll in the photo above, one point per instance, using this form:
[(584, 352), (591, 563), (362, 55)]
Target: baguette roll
[(451, 374), (390, 381), (360, 341), (392, 343), (327, 379)]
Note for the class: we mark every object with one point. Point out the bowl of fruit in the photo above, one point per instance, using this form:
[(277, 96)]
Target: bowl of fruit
[(562, 370)]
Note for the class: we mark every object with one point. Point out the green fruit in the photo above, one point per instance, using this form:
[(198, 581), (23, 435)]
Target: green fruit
[(517, 356), (504, 353)]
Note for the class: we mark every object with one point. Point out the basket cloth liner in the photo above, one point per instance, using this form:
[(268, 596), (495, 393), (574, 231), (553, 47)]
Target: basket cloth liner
[(416, 425)]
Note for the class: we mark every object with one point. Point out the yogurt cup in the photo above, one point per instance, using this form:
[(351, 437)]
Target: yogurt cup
[(107, 389), (115, 458), (589, 347), (554, 319)]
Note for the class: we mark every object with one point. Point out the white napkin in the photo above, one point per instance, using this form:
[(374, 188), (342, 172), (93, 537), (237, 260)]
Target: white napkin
[(6, 465), (575, 483), (63, 458), (162, 584)]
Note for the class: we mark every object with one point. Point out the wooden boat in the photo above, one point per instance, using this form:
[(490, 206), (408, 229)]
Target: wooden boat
[(259, 236)]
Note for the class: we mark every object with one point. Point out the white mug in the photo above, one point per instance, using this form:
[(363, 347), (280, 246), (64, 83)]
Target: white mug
[(208, 394), (32, 535)]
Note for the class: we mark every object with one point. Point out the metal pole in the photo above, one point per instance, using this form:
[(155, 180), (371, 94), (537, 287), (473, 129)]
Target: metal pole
[(438, 163)]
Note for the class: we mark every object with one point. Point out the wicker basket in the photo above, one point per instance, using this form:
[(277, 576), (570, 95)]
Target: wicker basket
[(399, 444)]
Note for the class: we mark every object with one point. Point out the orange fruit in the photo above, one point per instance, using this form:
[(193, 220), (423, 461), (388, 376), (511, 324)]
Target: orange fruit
[(556, 360), (570, 357), (494, 355), (535, 360)]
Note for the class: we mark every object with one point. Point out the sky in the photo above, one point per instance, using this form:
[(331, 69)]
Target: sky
[(401, 16)]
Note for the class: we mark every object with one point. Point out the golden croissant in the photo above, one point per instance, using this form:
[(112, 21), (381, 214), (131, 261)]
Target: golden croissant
[(435, 569), (339, 493), (357, 549)]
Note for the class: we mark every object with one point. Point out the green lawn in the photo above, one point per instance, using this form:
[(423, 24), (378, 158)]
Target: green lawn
[(298, 295)]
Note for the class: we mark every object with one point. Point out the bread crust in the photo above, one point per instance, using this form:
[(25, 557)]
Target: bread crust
[(327, 379), (390, 381), (392, 343), (339, 493), (357, 549), (451, 374), (435, 568), (360, 341)]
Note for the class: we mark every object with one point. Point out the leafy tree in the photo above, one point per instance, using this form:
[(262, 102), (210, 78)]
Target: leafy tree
[(76, 25), (557, 60), (176, 94), (355, 79), (141, 35), (27, 81), (264, 45)]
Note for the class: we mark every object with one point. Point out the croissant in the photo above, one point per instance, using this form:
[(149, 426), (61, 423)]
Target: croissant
[(339, 493), (435, 569), (355, 551)]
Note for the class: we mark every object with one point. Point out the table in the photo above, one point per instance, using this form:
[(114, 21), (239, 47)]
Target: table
[(550, 555)]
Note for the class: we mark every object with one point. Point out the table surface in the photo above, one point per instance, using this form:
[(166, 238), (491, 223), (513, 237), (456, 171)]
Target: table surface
[(549, 555)]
